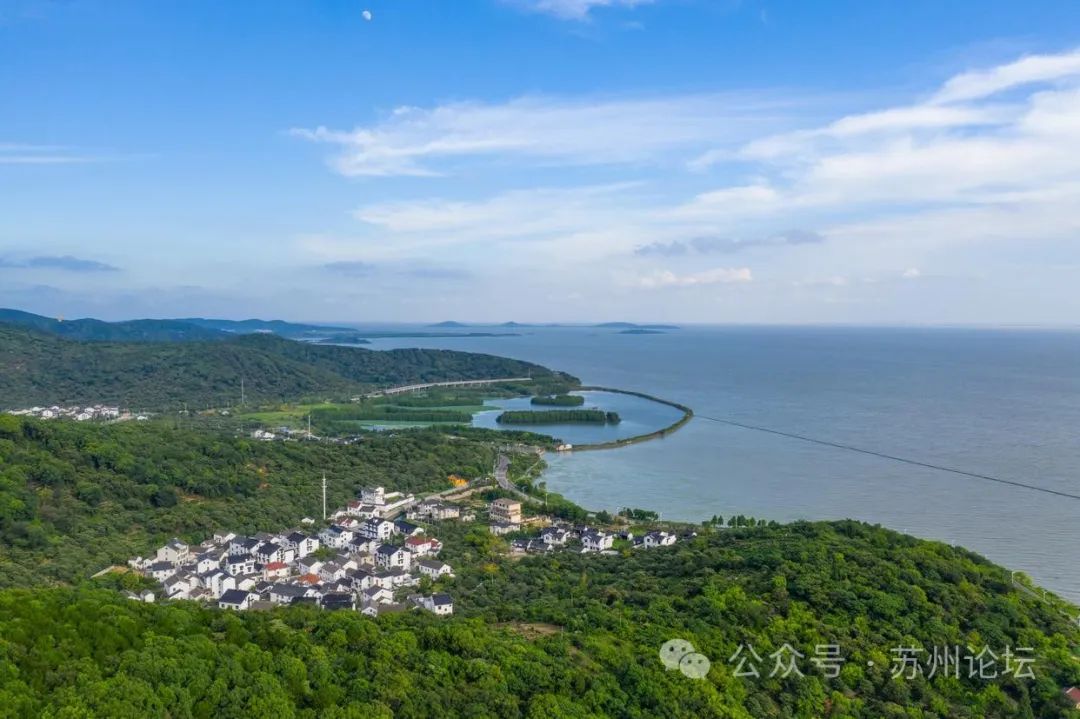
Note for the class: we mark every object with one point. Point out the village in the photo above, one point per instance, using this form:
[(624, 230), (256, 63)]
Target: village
[(376, 556), (80, 414)]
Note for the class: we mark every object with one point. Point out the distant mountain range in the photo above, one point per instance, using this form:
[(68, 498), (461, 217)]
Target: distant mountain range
[(190, 329)]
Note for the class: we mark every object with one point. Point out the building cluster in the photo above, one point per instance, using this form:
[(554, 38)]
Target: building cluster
[(506, 518), (366, 561), (438, 510), (281, 434), (79, 414)]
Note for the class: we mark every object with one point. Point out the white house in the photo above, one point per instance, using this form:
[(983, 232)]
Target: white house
[(285, 593), (659, 539), (336, 537), (272, 552), (434, 568), (373, 495), (556, 536), (206, 562), (377, 529), (440, 604), (595, 540), (301, 543), (236, 599), (375, 595), (238, 566), (175, 551), (309, 565), (332, 571), (242, 546), (423, 545), (162, 570), (392, 557), (218, 582), (178, 585), (501, 528)]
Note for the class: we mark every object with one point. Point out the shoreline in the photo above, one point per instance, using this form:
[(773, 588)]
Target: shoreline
[(688, 414)]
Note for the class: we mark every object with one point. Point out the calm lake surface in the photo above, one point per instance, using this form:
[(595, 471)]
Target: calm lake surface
[(998, 402), (638, 415)]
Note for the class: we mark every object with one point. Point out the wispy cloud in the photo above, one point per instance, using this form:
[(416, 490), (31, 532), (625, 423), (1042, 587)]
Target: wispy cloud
[(426, 142), (65, 263), (13, 153), (989, 158), (350, 268), (727, 245), (574, 9), (716, 276), (403, 269)]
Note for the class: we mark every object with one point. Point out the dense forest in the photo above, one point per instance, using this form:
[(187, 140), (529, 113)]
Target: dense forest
[(43, 369), (75, 498), (565, 635), (559, 416)]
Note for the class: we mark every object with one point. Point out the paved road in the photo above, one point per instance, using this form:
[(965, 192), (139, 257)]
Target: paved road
[(501, 467), (428, 385)]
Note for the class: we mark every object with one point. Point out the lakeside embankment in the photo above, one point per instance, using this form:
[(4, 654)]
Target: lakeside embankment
[(687, 415)]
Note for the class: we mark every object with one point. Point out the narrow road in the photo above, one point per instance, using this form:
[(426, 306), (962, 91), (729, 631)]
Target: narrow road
[(428, 385), (502, 465)]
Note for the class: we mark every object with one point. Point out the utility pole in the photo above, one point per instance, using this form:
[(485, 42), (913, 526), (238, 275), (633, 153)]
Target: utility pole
[(324, 496), (242, 402)]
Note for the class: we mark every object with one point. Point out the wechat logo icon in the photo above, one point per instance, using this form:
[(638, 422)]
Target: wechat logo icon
[(680, 654)]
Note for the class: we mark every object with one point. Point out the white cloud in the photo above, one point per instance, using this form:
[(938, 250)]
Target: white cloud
[(421, 142), (1025, 71), (952, 182), (14, 153), (574, 9), (716, 276)]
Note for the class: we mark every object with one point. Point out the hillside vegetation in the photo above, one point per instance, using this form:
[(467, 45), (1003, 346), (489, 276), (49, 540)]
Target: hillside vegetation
[(563, 637), (42, 369), (75, 498), (559, 636)]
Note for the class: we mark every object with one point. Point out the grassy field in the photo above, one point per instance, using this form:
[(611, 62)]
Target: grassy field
[(296, 415)]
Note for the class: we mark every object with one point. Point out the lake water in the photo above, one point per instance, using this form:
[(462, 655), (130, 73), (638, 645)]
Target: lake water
[(639, 416), (998, 402)]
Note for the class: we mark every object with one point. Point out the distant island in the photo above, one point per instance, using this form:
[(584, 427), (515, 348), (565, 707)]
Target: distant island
[(634, 326), (641, 331), (364, 338)]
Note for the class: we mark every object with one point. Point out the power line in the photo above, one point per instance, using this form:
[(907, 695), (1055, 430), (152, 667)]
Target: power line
[(894, 458)]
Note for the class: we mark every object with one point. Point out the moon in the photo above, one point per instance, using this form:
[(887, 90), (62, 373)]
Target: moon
[(367, 15)]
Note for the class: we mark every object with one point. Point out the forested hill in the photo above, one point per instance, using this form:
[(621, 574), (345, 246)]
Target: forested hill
[(42, 369), (167, 330), (130, 331), (541, 637)]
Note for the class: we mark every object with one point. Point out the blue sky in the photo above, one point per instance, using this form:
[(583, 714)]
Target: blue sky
[(664, 160)]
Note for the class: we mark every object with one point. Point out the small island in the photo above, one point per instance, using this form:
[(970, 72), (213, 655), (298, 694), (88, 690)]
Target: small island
[(641, 331), (559, 400), (560, 416)]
